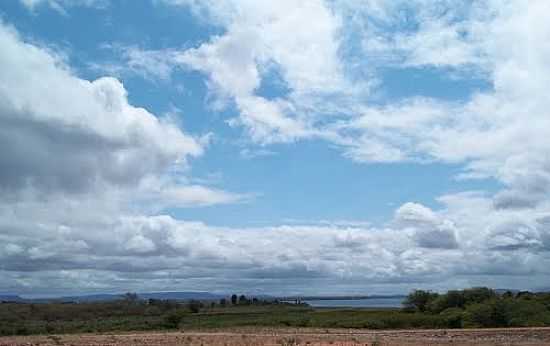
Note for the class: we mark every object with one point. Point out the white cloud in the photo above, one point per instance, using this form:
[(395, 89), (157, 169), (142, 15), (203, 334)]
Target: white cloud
[(441, 33), (260, 38), (165, 195), (513, 235), (121, 252), (249, 154), (150, 64), (413, 214), (330, 82), (81, 171), (328, 99), (430, 230), (497, 133), (62, 134)]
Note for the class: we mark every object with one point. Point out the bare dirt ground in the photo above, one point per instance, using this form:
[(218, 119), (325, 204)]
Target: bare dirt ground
[(293, 337)]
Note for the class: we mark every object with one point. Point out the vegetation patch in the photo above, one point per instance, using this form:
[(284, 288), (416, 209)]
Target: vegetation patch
[(476, 307)]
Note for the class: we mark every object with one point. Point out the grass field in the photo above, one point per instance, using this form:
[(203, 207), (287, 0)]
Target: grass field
[(24, 319)]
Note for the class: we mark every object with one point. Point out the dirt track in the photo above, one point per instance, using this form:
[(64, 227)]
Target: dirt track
[(287, 337)]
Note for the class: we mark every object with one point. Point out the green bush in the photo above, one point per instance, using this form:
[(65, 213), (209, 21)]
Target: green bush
[(488, 314), (173, 319), (507, 312), (453, 317)]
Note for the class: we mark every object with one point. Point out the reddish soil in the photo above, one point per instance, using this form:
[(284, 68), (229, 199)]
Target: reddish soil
[(288, 337)]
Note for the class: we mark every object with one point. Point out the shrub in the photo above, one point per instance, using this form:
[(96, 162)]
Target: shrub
[(488, 314), (173, 319), (453, 317)]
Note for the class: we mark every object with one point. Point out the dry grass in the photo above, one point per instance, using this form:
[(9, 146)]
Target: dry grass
[(294, 337)]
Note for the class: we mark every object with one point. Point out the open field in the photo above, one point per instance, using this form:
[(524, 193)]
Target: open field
[(114, 317), (301, 336), (25, 319)]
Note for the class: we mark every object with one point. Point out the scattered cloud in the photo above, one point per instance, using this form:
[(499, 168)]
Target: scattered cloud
[(248, 153), (259, 39), (61, 5), (131, 60)]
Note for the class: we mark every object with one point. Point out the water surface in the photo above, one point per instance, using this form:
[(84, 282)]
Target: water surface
[(358, 303)]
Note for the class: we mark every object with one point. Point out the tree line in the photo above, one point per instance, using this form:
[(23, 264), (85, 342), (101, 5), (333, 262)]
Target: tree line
[(482, 307)]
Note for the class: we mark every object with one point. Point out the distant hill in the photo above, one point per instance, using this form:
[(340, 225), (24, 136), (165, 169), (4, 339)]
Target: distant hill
[(89, 298), (505, 290), (10, 298), (181, 295), (110, 297)]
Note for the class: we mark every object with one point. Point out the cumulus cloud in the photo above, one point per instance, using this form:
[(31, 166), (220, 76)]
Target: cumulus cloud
[(513, 235), (475, 237), (114, 249), (430, 229), (82, 169), (63, 134), (169, 251)]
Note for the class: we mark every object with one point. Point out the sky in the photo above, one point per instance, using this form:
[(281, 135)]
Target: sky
[(273, 147)]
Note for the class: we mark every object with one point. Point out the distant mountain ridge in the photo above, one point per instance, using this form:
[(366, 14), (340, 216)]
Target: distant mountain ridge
[(115, 296), (181, 295), (10, 298)]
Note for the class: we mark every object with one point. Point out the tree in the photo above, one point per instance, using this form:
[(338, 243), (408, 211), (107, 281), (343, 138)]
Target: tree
[(234, 299), (478, 295), (419, 300), (243, 300), (452, 299), (223, 302)]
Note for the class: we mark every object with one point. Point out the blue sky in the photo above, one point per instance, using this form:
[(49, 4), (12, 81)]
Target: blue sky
[(296, 181), (365, 127)]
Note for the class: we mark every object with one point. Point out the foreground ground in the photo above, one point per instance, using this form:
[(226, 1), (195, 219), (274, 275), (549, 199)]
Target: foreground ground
[(303, 336)]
